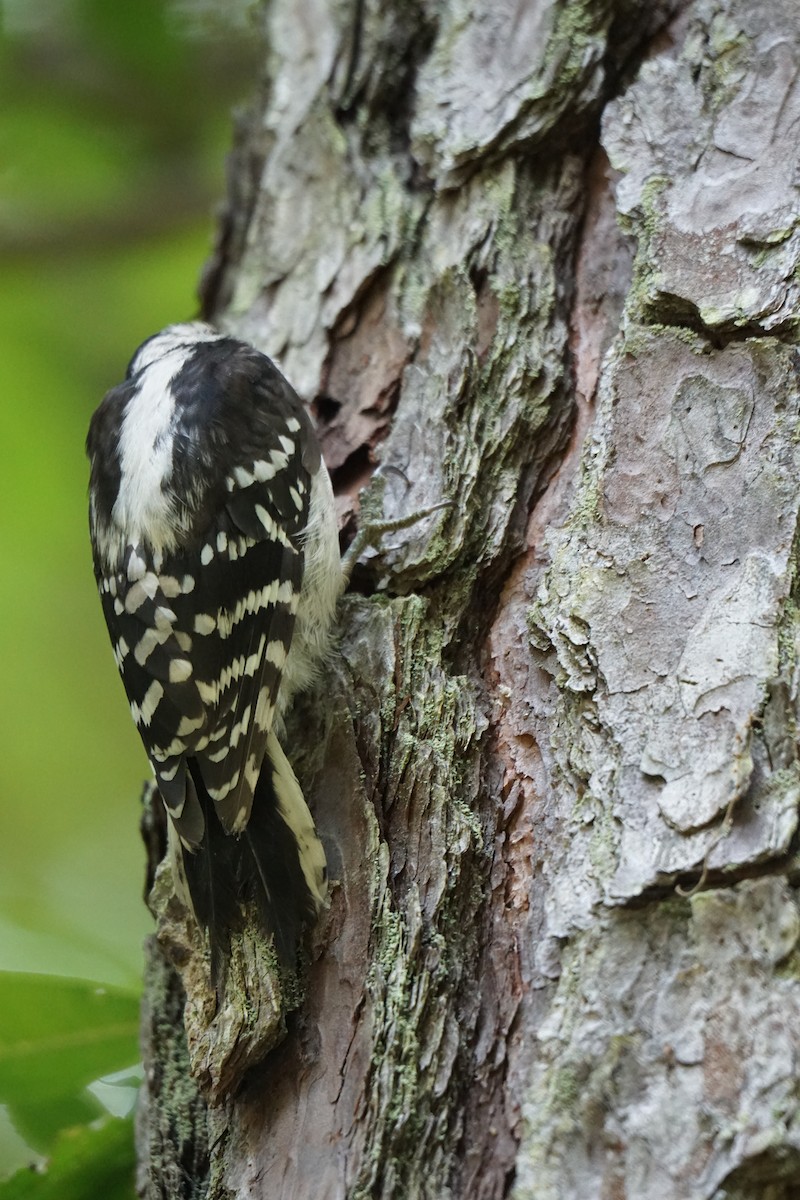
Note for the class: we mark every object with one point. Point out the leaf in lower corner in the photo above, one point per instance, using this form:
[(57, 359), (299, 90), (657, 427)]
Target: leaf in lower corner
[(93, 1161), (58, 1035)]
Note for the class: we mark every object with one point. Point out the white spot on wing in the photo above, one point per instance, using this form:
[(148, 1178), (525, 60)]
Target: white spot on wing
[(242, 477), (253, 602), (188, 726), (252, 772), (264, 471), (276, 654), (240, 728), (147, 644), (135, 598), (170, 586), (251, 663), (272, 530), (264, 711), (232, 673), (164, 617), (143, 714), (180, 669)]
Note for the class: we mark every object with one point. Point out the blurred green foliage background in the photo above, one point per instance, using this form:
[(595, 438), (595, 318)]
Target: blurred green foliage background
[(114, 125)]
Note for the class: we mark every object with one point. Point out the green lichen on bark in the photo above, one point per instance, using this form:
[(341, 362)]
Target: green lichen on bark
[(172, 1124), (423, 923)]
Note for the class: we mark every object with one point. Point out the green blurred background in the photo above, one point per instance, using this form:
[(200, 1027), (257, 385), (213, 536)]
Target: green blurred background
[(114, 126)]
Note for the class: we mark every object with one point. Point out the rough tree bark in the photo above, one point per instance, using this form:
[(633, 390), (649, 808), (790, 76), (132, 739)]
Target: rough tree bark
[(542, 258)]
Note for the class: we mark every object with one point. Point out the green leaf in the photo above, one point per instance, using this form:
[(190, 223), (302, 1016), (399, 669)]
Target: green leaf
[(97, 1161), (57, 1036)]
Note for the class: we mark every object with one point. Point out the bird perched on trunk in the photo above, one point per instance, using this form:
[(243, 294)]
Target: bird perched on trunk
[(216, 555)]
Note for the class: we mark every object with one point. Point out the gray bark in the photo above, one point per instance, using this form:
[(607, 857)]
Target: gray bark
[(542, 259)]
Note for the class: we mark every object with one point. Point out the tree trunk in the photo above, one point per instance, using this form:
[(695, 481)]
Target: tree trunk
[(541, 259)]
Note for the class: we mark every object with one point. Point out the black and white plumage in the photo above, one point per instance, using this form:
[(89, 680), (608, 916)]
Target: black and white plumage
[(217, 561)]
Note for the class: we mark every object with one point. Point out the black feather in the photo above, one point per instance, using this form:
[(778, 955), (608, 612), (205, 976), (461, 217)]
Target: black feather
[(272, 864), (212, 874), (259, 870)]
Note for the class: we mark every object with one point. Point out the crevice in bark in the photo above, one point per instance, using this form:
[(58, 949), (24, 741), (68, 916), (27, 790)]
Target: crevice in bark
[(630, 44), (676, 312), (379, 88), (490, 1132), (632, 38), (360, 383), (601, 265), (682, 886), (773, 1172)]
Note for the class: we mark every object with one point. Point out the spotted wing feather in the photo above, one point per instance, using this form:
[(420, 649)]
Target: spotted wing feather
[(201, 635)]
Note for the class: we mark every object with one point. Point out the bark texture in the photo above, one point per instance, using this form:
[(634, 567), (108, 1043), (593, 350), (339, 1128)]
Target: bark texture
[(541, 259)]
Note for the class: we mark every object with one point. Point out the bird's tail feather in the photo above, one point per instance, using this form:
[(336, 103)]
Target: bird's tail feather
[(277, 866)]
